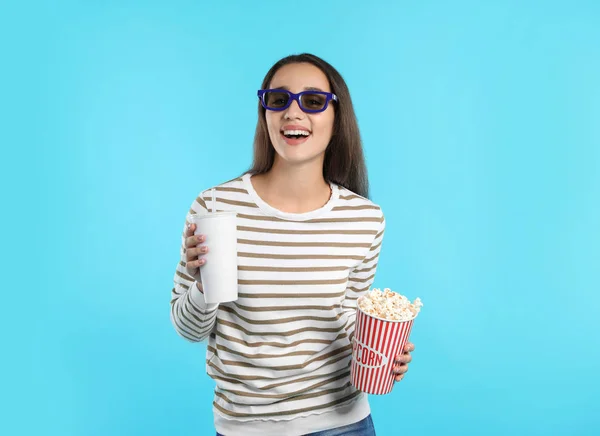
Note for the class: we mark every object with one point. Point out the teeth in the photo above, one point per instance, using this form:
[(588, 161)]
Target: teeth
[(296, 132)]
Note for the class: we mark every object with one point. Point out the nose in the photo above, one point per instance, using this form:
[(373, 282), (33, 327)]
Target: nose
[(294, 111)]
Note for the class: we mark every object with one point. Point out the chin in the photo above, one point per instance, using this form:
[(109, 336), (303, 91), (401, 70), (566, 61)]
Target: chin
[(299, 158), (301, 153)]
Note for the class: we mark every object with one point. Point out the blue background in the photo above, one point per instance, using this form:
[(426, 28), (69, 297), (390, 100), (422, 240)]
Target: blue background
[(481, 129)]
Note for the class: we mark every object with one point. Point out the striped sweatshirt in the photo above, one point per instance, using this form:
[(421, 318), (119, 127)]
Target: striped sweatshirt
[(280, 355)]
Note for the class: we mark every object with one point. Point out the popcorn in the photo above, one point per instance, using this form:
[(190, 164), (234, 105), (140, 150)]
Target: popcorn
[(389, 305)]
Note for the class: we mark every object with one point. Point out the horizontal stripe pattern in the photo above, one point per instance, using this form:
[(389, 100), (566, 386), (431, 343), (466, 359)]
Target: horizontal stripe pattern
[(283, 349)]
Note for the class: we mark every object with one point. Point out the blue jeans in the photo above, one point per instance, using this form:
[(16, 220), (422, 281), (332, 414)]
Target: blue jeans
[(360, 428)]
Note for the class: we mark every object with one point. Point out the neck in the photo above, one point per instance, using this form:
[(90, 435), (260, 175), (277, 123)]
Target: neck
[(294, 188)]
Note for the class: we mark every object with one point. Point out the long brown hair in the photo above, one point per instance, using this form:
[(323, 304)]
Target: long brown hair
[(344, 159)]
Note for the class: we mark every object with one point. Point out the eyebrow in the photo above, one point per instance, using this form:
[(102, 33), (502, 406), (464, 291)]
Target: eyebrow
[(308, 88)]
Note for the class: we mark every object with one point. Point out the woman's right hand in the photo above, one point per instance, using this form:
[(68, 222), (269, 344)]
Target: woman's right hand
[(194, 253)]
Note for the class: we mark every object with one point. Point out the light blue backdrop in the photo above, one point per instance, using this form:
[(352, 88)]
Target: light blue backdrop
[(481, 125)]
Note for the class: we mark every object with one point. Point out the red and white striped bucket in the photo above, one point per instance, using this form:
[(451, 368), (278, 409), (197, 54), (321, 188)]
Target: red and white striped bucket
[(375, 345)]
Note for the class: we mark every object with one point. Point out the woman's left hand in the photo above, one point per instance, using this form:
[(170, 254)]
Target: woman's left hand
[(402, 361)]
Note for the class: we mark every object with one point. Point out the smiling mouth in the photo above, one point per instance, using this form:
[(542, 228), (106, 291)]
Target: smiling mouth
[(295, 134)]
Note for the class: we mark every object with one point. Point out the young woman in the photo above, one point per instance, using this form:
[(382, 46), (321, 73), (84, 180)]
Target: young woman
[(308, 245)]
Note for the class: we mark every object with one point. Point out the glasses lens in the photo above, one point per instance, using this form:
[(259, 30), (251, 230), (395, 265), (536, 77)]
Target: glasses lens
[(276, 99), (313, 102)]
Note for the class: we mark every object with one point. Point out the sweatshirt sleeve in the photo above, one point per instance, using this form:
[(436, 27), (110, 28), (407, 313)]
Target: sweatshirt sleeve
[(361, 279), (191, 316)]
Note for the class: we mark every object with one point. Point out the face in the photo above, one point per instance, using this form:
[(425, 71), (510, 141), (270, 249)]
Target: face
[(296, 78)]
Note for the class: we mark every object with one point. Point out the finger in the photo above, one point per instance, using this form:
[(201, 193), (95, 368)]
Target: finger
[(400, 369), (190, 228), (193, 253), (403, 358), (192, 241), (190, 268), (399, 377), (193, 265), (409, 347)]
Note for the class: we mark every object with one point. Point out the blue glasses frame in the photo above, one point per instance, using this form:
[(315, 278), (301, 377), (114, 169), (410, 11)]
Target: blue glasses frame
[(298, 97)]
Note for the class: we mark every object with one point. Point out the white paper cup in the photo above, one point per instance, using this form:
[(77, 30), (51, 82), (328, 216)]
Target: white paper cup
[(219, 275)]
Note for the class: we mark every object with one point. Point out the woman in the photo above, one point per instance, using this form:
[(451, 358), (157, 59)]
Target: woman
[(308, 246)]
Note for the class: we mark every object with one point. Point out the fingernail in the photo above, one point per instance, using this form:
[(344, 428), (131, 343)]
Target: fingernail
[(200, 238), (203, 249), (201, 261)]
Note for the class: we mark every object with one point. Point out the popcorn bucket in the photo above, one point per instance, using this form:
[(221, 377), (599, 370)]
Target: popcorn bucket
[(375, 345)]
